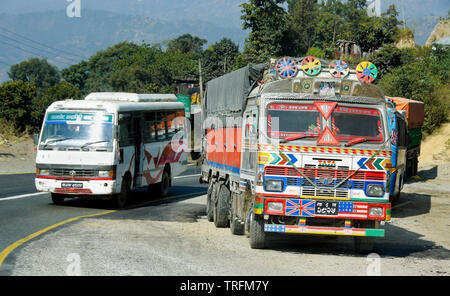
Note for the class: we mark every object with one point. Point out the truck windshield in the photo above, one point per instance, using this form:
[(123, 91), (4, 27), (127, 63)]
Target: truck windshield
[(78, 130), (293, 119), (304, 121), (351, 123)]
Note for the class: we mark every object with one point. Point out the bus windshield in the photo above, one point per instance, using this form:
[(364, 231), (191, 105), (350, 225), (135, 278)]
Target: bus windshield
[(80, 130)]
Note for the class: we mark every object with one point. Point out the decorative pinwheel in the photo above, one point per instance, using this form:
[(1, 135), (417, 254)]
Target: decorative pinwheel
[(339, 69), (311, 66), (286, 67), (366, 72)]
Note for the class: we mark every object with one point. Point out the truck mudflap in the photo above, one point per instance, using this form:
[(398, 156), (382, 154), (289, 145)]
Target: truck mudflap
[(299, 229)]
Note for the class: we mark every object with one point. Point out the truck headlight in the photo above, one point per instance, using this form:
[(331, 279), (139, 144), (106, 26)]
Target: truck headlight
[(375, 190), (376, 212), (274, 185), (274, 206)]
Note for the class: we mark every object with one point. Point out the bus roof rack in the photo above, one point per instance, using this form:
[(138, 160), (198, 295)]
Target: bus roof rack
[(131, 97)]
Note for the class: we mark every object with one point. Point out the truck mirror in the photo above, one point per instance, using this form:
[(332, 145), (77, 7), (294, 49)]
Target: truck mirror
[(36, 139)]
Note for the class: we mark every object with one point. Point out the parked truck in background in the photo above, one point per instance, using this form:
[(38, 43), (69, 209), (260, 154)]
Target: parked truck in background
[(415, 116), (302, 146)]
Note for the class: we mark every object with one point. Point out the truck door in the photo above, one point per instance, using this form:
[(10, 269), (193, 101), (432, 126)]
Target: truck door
[(249, 147), (402, 146)]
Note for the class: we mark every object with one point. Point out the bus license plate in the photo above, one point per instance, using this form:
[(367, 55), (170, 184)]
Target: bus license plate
[(329, 208), (72, 185)]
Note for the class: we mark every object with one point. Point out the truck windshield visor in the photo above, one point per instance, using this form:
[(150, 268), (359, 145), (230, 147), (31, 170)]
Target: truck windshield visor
[(78, 130), (306, 122)]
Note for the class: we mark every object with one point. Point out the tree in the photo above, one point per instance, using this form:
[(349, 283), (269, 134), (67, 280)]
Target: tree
[(16, 103), (187, 43), (267, 21), (219, 59), (35, 70), (59, 92), (302, 26), (425, 78), (76, 74), (373, 32)]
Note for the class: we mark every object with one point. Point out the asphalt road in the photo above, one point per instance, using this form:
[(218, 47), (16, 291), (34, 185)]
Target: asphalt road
[(16, 184), (24, 211), (171, 236)]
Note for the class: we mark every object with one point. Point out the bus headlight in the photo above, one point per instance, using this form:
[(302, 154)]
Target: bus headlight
[(44, 172), (375, 190), (106, 174), (274, 185)]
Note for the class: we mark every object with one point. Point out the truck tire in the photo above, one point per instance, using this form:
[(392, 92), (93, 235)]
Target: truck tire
[(415, 165), (236, 226), (120, 200), (257, 234), (364, 244), (209, 201), (57, 199), (222, 208)]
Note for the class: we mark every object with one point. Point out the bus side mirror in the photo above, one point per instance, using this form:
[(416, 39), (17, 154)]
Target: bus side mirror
[(36, 139)]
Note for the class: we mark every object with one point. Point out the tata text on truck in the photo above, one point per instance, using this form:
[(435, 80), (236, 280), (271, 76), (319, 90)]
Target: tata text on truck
[(301, 146), (108, 144)]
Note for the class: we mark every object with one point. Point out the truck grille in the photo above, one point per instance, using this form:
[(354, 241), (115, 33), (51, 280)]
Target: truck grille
[(315, 173)]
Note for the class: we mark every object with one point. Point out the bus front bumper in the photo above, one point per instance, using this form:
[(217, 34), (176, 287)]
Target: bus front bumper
[(76, 187)]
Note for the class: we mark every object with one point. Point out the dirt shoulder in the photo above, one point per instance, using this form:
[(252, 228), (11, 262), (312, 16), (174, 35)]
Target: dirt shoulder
[(17, 156)]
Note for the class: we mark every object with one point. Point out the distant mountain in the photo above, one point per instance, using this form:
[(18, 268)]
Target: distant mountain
[(94, 31), (223, 13)]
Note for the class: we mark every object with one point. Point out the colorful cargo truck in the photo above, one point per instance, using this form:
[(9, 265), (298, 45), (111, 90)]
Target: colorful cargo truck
[(415, 117), (301, 146)]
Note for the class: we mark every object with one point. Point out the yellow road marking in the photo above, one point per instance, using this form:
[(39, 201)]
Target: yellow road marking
[(12, 247), (15, 245), (7, 174)]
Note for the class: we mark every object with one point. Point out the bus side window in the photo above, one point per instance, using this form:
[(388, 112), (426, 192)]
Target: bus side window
[(171, 125), (161, 133), (149, 128)]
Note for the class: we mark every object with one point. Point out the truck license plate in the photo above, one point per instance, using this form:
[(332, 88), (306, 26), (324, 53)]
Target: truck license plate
[(72, 185), (329, 208)]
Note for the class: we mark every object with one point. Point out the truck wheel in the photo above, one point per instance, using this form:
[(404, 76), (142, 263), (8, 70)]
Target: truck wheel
[(120, 200), (236, 227), (415, 165), (209, 202), (257, 234), (57, 199), (222, 208), (364, 245)]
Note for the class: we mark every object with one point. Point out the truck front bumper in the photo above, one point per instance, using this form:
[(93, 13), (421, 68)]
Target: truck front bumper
[(297, 229), (347, 213)]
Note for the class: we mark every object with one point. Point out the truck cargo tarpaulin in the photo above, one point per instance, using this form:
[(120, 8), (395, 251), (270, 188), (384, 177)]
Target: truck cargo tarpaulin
[(414, 110), (227, 94)]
